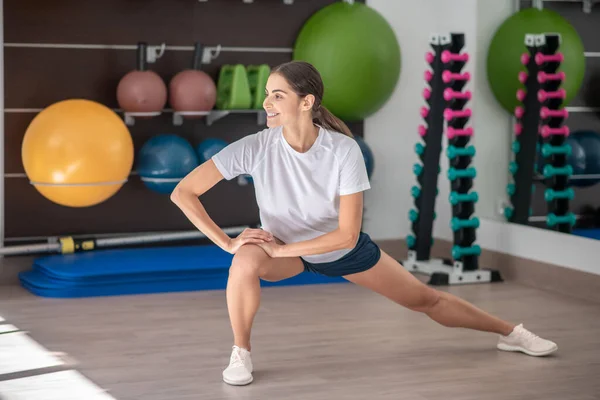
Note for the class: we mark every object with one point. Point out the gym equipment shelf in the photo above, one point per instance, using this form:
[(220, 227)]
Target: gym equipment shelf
[(446, 100)]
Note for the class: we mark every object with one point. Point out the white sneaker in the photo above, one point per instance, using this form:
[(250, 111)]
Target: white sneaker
[(239, 371), (522, 340)]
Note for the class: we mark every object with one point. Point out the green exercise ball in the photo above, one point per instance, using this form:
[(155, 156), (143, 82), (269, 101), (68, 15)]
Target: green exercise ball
[(508, 44), (357, 55)]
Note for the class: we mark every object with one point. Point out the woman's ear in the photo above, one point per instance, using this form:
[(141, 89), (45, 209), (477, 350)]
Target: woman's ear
[(308, 102)]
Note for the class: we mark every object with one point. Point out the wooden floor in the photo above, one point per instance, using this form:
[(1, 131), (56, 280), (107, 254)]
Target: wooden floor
[(322, 342)]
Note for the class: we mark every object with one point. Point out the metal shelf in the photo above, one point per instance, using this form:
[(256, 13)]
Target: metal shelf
[(286, 2), (155, 52), (586, 5), (178, 117)]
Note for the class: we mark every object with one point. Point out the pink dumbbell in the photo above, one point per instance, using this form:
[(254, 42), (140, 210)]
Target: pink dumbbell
[(448, 76), (547, 131), (447, 56), (525, 57), (518, 129), (429, 57), (450, 94), (521, 95), (559, 94), (450, 114), (543, 77), (426, 93), (519, 112), (452, 132), (523, 77), (428, 76), (543, 58), (545, 112), (424, 112), (422, 130)]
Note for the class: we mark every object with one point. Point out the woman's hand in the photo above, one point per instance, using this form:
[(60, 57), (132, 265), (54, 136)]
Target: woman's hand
[(252, 236), (272, 248)]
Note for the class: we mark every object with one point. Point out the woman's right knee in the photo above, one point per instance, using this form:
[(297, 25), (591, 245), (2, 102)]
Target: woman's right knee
[(249, 260)]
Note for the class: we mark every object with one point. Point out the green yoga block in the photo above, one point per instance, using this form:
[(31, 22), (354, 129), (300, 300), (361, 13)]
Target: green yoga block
[(257, 80), (233, 89)]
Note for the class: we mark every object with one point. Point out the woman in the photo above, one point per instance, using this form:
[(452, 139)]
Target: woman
[(309, 176)]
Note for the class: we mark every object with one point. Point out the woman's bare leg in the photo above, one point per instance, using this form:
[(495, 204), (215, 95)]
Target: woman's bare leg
[(250, 264), (393, 281)]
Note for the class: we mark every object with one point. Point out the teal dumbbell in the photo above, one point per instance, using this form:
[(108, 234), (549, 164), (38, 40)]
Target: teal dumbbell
[(411, 241), (554, 219), (548, 149), (513, 167), (508, 212), (457, 223), (454, 173), (415, 191), (459, 252), (417, 169), (550, 171), (413, 215), (453, 152), (516, 147), (419, 149), (551, 194), (456, 198), (511, 188)]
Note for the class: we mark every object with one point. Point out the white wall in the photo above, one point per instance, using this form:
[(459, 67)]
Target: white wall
[(392, 134)]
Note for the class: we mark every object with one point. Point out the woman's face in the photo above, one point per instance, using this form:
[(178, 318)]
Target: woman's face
[(283, 106)]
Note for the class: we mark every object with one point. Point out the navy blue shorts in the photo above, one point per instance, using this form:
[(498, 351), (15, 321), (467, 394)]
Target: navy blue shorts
[(364, 256)]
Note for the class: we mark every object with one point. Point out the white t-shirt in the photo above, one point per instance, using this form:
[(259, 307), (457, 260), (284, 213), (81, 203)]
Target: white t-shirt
[(297, 193)]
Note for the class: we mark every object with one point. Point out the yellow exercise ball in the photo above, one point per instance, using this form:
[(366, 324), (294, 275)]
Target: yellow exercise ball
[(77, 153)]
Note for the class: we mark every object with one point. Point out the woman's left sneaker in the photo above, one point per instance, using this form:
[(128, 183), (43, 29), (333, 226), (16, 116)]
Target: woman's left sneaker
[(522, 340)]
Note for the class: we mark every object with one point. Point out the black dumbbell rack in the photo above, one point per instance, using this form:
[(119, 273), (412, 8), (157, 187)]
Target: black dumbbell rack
[(540, 127), (446, 102)]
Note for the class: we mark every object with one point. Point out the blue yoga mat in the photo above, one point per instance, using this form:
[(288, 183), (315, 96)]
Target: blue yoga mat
[(593, 233), (38, 284), (120, 262), (140, 271)]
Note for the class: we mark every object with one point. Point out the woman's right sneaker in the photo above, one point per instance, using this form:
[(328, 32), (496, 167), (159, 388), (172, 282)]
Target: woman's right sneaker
[(239, 371)]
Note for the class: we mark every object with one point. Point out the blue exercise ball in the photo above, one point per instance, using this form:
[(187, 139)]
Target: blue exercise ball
[(576, 160), (209, 147), (164, 160), (584, 158), (367, 155), (589, 141)]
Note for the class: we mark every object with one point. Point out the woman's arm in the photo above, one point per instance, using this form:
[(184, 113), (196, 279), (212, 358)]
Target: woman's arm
[(185, 196), (344, 237)]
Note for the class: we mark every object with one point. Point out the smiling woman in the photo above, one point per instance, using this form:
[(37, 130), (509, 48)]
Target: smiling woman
[(309, 176), (304, 80)]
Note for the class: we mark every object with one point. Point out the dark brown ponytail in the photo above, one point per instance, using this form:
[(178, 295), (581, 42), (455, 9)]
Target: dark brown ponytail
[(327, 120), (304, 79)]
